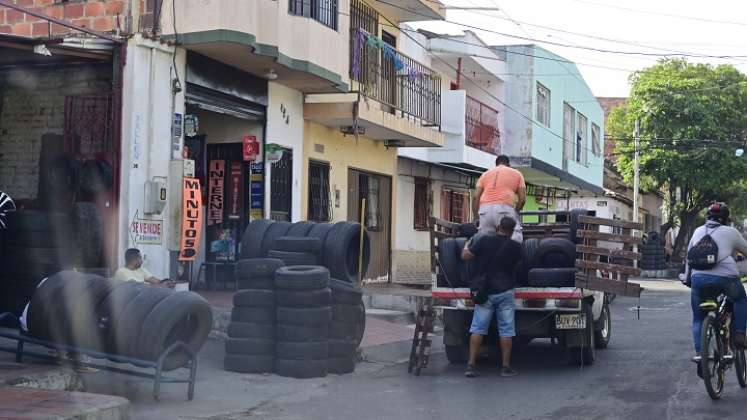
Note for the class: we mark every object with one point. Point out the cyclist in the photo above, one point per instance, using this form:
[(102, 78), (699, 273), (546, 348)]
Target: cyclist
[(723, 273)]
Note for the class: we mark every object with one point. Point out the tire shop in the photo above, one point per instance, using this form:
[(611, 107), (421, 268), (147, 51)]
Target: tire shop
[(59, 159)]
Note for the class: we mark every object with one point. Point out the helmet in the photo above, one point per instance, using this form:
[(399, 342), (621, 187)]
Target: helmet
[(719, 212)]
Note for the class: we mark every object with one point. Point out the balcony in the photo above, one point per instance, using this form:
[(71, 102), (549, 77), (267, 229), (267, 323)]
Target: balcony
[(482, 130)]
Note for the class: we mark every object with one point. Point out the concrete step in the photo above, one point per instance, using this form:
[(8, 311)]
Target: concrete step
[(393, 316), (28, 403)]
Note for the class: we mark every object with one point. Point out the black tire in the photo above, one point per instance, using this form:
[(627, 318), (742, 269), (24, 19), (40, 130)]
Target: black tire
[(132, 322), (603, 328), (84, 324), (256, 284), (293, 258), (96, 177), (740, 366), (449, 260), (304, 298), (295, 333), (456, 355), (250, 346), (528, 250), (301, 369), (304, 317), (320, 231), (51, 304), (713, 374), (342, 348), (302, 277), (467, 269), (111, 310), (248, 364), (555, 253), (253, 315), (348, 313), (466, 230), (341, 251), (314, 350), (552, 277), (257, 268), (586, 354), (298, 244), (275, 231), (251, 240), (341, 365), (89, 234), (574, 225), (339, 330), (344, 292), (300, 229), (254, 298), (248, 330)]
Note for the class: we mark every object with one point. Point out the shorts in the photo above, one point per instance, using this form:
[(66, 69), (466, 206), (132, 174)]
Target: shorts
[(491, 215), (504, 307)]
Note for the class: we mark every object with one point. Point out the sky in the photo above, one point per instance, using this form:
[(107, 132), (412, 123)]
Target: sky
[(714, 28)]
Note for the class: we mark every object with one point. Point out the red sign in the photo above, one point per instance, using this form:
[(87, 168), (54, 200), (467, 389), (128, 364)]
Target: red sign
[(216, 191), (234, 210), (191, 220), (251, 148)]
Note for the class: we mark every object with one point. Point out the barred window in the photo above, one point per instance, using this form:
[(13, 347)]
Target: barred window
[(322, 11), (320, 204), (422, 204)]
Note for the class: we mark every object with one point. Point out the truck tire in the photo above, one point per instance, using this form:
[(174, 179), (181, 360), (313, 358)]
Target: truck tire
[(342, 249), (253, 315), (456, 355), (248, 330), (302, 277), (341, 365), (254, 298), (248, 363), (448, 257), (300, 229), (251, 240), (301, 369), (275, 231), (304, 317), (298, 244), (528, 250), (299, 334), (573, 222), (293, 258), (586, 354), (304, 298), (603, 328), (250, 346), (320, 231), (257, 268), (131, 323), (344, 292), (552, 277), (555, 253), (312, 350), (257, 283), (342, 348)]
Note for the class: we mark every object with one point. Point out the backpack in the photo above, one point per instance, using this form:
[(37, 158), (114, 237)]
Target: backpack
[(704, 254)]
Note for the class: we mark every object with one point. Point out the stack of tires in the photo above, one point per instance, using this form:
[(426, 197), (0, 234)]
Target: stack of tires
[(304, 313), (250, 347), (121, 318), (652, 253), (347, 326), (549, 262), (293, 250)]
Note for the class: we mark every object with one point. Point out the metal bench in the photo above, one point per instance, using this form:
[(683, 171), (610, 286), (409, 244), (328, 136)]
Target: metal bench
[(158, 376)]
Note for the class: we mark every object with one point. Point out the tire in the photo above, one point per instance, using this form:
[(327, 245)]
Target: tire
[(257, 268), (713, 376), (254, 298), (320, 231), (96, 177), (298, 244), (275, 231), (552, 277), (449, 260), (574, 225), (304, 317), (248, 364), (48, 308), (315, 350), (467, 269), (528, 251), (740, 366), (84, 324), (251, 240), (131, 323), (293, 258), (111, 310), (250, 346), (339, 330), (301, 229), (342, 249), (301, 369), (456, 355), (586, 354), (466, 230), (341, 365), (247, 330), (342, 348), (256, 284), (305, 298), (253, 315), (555, 253), (344, 292), (302, 277), (89, 234), (348, 313), (603, 328), (295, 333)]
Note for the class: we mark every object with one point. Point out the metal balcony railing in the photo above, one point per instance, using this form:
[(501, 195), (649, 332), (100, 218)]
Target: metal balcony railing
[(394, 79), (482, 127)]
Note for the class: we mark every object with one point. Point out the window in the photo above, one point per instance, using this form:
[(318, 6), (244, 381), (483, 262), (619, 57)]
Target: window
[(569, 130), (543, 105), (322, 11), (320, 204), (582, 140), (455, 205), (596, 145), (422, 204)]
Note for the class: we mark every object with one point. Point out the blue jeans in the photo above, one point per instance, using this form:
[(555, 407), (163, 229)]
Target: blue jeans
[(732, 288), (504, 307)]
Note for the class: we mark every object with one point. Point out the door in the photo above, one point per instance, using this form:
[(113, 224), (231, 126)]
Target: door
[(281, 187), (389, 72), (227, 198), (377, 191)]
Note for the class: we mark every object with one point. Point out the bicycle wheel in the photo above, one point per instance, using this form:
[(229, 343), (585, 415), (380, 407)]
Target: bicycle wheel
[(711, 350), (740, 366)]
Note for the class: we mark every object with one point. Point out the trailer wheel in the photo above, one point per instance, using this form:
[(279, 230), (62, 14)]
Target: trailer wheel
[(457, 355)]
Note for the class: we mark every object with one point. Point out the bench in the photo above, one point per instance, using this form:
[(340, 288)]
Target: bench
[(158, 377)]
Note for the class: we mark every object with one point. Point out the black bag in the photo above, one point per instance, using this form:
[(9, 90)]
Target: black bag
[(478, 289), (704, 254)]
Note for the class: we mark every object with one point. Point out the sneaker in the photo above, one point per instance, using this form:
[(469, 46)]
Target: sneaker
[(696, 359), (507, 372), (470, 372)]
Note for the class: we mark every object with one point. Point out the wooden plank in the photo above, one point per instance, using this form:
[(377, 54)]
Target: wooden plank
[(609, 237), (612, 253), (615, 268), (607, 285), (589, 220)]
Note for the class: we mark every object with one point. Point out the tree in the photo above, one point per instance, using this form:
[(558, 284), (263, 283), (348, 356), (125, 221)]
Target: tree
[(692, 120)]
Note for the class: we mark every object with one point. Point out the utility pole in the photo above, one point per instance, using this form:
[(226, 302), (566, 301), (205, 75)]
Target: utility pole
[(637, 173)]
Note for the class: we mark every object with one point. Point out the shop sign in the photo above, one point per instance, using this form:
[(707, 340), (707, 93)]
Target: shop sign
[(191, 220), (191, 125), (147, 232), (216, 191), (257, 168), (251, 148), (234, 210), (273, 153)]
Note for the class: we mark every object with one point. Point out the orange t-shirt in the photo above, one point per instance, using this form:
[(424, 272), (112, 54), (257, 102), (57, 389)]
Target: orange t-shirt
[(500, 185)]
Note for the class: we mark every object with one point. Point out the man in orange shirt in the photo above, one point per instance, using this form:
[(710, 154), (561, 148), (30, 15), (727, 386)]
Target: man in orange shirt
[(501, 192)]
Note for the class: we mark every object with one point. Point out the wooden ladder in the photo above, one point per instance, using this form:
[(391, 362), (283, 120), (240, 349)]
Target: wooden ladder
[(421, 344)]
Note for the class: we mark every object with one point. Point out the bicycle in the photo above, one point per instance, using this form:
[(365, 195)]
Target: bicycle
[(717, 350)]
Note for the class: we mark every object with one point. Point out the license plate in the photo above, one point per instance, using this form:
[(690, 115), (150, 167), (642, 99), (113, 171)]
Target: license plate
[(570, 321)]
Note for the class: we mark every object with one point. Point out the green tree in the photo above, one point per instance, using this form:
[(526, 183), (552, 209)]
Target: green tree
[(692, 119)]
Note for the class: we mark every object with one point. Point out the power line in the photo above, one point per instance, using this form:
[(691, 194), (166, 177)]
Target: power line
[(672, 15)]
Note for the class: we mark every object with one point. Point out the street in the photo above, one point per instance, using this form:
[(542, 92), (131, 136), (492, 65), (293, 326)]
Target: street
[(644, 374)]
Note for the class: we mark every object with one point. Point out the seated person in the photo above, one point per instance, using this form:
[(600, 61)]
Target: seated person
[(134, 270)]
